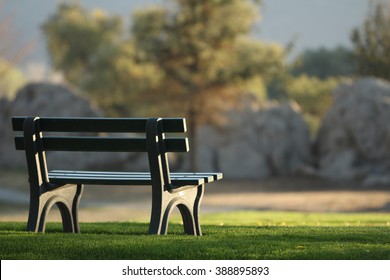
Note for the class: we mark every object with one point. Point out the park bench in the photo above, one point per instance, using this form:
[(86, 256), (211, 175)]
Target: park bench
[(64, 187)]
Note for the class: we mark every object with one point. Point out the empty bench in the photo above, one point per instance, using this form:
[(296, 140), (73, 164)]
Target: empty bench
[(64, 187)]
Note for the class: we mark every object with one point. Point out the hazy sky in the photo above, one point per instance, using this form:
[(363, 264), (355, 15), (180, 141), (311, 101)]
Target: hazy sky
[(314, 23)]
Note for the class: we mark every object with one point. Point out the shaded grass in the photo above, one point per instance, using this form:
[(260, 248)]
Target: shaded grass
[(243, 240)]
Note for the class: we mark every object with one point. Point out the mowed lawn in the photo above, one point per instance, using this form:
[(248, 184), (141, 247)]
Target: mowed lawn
[(230, 235)]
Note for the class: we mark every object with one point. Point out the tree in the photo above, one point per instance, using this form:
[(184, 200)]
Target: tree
[(95, 56), (372, 42), (192, 58), (203, 49), (11, 53), (313, 95), (11, 79), (74, 37), (324, 63)]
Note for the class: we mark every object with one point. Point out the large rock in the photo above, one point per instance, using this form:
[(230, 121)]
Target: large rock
[(354, 139), (42, 99), (257, 142)]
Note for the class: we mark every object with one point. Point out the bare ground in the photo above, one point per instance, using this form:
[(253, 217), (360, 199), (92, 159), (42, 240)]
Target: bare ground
[(121, 203), (113, 203)]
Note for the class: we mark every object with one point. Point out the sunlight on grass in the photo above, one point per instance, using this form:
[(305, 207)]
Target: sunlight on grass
[(280, 218), (228, 235)]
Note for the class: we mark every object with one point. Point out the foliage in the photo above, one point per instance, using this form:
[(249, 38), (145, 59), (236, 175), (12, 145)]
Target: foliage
[(11, 79), (204, 51), (74, 36), (324, 63), (313, 95), (372, 42), (92, 52), (119, 83), (191, 58), (314, 76), (243, 235), (10, 54)]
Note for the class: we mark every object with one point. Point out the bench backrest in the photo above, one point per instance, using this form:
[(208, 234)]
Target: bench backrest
[(139, 135), (99, 143)]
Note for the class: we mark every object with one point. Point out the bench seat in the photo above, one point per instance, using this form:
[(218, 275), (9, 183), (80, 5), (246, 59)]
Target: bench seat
[(61, 177)]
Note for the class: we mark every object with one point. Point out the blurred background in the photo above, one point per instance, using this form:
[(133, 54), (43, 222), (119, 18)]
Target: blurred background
[(289, 99)]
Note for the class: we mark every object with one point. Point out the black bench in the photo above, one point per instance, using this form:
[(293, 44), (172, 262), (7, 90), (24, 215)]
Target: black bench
[(64, 187)]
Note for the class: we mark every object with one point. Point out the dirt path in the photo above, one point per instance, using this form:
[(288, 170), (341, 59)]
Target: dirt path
[(105, 203)]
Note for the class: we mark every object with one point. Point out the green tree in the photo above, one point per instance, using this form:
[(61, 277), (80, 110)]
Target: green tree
[(192, 58), (94, 55), (372, 42), (204, 51), (74, 36), (11, 53), (324, 63), (11, 79), (313, 95)]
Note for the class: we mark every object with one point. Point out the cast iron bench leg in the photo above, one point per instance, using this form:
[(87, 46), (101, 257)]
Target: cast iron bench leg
[(197, 203), (188, 202), (75, 208), (67, 200)]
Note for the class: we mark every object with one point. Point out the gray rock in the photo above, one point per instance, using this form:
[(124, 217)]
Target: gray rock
[(42, 99), (257, 142), (354, 138)]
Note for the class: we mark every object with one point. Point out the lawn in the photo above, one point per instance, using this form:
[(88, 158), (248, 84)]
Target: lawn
[(233, 235)]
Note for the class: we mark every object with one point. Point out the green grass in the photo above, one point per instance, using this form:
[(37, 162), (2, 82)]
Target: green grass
[(283, 218), (234, 235)]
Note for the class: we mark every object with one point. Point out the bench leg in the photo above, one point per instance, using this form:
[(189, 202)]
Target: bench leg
[(75, 208), (66, 198), (188, 202), (198, 201)]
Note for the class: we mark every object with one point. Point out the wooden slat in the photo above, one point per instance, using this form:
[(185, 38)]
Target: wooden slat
[(207, 177), (109, 125), (187, 181), (93, 144), (103, 144), (98, 173), (215, 175), (178, 182), (62, 180), (116, 178)]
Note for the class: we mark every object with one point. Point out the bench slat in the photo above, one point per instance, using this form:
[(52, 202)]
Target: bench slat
[(103, 144), (109, 125), (207, 177), (90, 180), (215, 175), (118, 180), (125, 182)]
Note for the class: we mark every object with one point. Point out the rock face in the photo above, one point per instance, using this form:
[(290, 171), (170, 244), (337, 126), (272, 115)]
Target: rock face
[(42, 99), (257, 142), (354, 138)]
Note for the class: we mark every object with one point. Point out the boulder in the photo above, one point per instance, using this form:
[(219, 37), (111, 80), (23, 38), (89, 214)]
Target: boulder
[(354, 138), (257, 142), (43, 99)]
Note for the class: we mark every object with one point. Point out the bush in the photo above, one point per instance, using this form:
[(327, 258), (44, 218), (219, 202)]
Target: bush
[(313, 95)]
